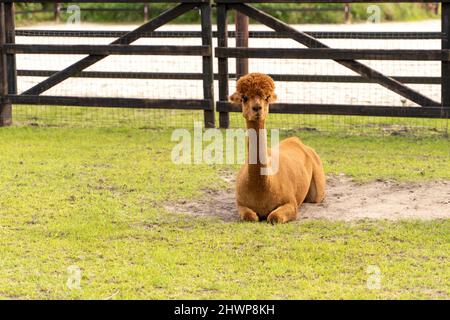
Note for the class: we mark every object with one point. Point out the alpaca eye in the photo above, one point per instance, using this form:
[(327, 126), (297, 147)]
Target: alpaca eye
[(244, 98), (267, 98)]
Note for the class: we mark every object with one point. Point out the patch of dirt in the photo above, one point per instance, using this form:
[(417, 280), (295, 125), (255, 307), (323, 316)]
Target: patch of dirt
[(345, 200)]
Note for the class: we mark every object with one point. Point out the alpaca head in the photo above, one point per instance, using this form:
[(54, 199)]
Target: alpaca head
[(254, 92)]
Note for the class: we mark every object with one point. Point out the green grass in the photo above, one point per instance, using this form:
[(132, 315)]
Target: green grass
[(51, 116), (93, 198)]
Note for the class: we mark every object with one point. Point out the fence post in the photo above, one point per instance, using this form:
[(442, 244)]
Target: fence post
[(222, 41), (241, 23), (347, 13), (10, 36), (208, 72), (445, 65), (146, 11), (5, 106), (57, 12)]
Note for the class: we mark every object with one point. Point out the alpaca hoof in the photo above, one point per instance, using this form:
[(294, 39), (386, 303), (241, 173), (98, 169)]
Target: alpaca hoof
[(250, 217), (275, 218)]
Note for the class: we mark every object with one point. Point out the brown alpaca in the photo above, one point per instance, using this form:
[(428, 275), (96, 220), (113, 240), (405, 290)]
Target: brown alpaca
[(300, 176)]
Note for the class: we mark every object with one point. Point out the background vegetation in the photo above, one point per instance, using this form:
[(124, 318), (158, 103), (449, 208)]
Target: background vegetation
[(359, 12)]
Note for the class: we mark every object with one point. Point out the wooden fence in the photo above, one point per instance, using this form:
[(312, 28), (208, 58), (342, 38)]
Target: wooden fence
[(8, 77), (346, 57), (315, 49)]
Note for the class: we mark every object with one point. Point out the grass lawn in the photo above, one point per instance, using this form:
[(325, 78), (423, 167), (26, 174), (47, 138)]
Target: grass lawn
[(93, 198)]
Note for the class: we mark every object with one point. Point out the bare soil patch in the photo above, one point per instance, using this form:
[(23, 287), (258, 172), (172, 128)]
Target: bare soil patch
[(346, 200)]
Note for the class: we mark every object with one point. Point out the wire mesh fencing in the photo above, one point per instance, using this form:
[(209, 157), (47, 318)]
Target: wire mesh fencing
[(326, 82), (307, 81)]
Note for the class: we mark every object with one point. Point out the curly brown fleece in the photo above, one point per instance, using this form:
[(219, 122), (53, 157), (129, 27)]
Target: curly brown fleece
[(256, 84)]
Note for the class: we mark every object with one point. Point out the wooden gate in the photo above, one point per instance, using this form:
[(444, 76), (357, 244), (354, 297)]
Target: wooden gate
[(121, 46), (345, 57)]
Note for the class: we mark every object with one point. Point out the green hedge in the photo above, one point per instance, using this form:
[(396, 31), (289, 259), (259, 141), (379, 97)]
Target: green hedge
[(359, 13)]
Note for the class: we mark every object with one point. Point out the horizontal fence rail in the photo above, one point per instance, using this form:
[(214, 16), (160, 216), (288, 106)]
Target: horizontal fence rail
[(232, 34), (334, 54), (199, 76), (107, 49), (341, 109), (267, 53), (183, 104)]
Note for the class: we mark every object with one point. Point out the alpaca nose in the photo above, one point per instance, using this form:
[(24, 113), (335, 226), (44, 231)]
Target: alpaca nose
[(256, 108)]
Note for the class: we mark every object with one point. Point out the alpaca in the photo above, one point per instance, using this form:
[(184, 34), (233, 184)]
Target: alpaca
[(300, 176)]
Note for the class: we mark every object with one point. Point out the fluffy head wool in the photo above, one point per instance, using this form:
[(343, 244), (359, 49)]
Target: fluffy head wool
[(256, 84)]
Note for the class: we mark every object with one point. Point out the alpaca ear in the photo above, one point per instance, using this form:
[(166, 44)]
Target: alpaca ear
[(236, 98), (273, 98)]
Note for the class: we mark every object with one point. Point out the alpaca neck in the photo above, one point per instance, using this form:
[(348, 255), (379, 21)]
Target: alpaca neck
[(260, 152)]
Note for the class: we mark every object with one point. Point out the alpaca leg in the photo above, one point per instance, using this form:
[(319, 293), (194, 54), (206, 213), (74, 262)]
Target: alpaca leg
[(247, 214), (316, 192), (285, 213)]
